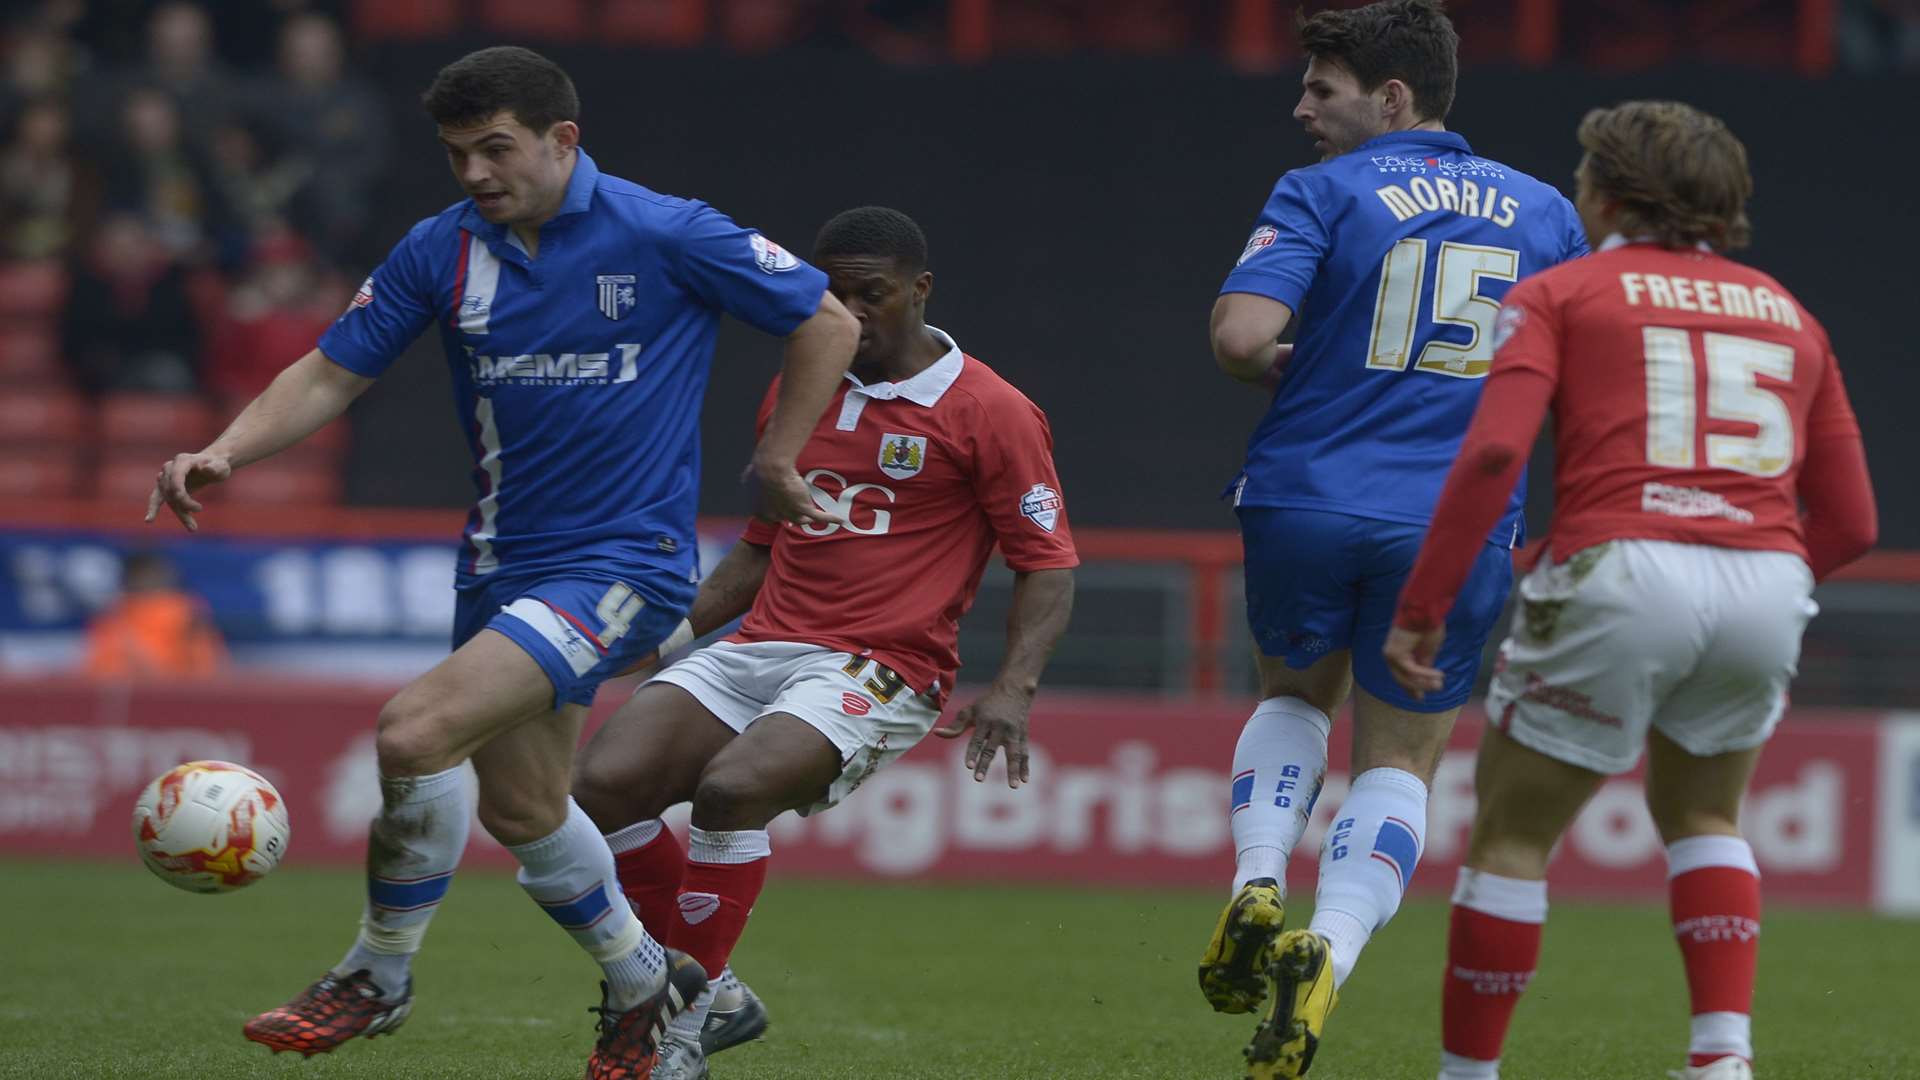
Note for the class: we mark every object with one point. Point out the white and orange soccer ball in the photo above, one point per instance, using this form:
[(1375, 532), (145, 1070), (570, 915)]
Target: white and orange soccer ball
[(210, 826)]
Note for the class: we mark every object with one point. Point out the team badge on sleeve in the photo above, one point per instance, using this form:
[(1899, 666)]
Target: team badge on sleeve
[(1263, 237), (363, 295), (770, 256), (616, 294), (902, 456), (1041, 505), (1506, 324)]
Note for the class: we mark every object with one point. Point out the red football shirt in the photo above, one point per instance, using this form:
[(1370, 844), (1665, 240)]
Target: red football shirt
[(929, 472), (1687, 393)]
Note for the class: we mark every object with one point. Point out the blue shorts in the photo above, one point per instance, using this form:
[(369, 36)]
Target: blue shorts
[(582, 629), (1318, 582)]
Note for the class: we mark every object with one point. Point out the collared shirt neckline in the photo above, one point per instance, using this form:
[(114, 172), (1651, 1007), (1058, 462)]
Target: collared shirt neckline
[(1617, 240), (1450, 139), (925, 388)]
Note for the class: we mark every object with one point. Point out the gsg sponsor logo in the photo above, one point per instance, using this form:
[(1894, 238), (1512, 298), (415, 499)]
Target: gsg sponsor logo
[(833, 495)]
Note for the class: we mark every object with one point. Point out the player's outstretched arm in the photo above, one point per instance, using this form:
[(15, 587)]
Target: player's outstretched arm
[(1245, 331), (818, 352), (1042, 603), (310, 392)]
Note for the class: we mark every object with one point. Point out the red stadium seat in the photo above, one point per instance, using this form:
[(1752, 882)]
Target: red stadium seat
[(672, 23), (275, 482), (405, 20), (40, 474), (32, 288), (126, 479), (56, 419), (166, 423), (551, 20), (30, 353)]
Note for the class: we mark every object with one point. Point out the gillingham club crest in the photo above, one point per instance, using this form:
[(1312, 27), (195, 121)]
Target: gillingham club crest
[(902, 456), (615, 294)]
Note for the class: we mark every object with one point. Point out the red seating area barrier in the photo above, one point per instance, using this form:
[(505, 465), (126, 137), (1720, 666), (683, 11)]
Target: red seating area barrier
[(1253, 35)]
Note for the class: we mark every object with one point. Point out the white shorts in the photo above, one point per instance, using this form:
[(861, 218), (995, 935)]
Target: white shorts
[(1697, 641), (859, 704)]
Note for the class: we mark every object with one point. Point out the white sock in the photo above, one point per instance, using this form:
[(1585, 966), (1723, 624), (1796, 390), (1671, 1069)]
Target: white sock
[(1455, 1067), (686, 1026), (413, 846), (1278, 766), (1367, 860), (634, 836), (1721, 1034), (570, 874)]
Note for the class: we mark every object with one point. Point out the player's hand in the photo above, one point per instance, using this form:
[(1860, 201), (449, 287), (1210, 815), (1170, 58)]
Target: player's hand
[(998, 719), (179, 479), (785, 497), (1270, 381), (1410, 656)]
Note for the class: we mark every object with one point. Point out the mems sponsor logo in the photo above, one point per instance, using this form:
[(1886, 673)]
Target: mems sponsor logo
[(556, 369)]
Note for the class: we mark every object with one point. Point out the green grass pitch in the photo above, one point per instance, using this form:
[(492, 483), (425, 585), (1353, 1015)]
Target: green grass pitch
[(106, 972)]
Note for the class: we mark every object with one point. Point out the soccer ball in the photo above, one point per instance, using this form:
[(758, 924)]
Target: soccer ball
[(210, 826)]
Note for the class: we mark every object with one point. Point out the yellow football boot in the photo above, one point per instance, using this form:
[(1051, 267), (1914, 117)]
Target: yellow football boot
[(1302, 972), (1233, 969)]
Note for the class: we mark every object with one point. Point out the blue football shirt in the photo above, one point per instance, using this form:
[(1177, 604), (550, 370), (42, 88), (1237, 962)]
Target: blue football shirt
[(1394, 258), (578, 375)]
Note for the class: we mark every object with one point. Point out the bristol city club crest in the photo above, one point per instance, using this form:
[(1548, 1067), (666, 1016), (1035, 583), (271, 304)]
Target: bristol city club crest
[(902, 456), (616, 294)]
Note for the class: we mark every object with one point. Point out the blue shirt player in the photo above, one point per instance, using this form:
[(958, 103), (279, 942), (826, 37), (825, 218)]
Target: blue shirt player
[(1390, 257), (577, 312)]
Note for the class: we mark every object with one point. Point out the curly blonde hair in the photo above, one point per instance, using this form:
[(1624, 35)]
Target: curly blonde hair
[(1676, 173)]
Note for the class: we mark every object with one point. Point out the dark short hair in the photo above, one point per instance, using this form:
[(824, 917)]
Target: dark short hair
[(505, 78), (1677, 173), (873, 230), (1409, 40)]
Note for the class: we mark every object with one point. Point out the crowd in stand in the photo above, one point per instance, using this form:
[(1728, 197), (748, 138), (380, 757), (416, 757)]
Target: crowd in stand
[(179, 202), (186, 186)]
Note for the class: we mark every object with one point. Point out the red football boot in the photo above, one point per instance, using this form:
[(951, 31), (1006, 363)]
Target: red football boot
[(328, 1013), (629, 1043)]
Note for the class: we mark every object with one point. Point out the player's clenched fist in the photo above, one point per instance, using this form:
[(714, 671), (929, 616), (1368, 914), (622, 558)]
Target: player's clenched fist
[(179, 479)]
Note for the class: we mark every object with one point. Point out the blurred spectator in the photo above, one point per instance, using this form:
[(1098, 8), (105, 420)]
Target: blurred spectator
[(337, 126), (158, 176), (182, 65), (155, 628), (129, 323), (40, 64), (254, 186), (40, 195), (272, 316), (1879, 35)]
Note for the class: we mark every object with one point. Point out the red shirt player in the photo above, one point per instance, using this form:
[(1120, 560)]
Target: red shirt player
[(926, 460), (1697, 406)]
